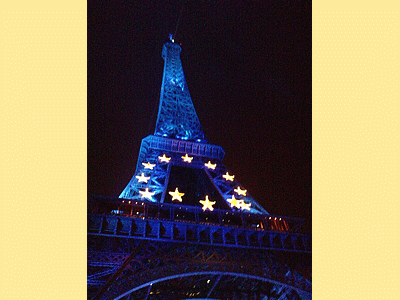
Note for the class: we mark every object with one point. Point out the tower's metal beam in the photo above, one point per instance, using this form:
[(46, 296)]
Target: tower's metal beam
[(119, 271), (288, 288), (199, 233), (214, 285)]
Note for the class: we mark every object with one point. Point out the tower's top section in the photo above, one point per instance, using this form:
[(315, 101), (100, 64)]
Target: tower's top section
[(177, 117)]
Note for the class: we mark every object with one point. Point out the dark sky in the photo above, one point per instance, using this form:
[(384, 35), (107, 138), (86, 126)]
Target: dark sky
[(248, 68)]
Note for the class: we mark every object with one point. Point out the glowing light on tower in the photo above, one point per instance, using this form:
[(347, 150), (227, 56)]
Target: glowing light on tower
[(239, 191), (245, 206), (176, 195), (234, 202), (146, 194), (210, 165), (187, 158), (164, 158), (228, 177), (207, 204), (142, 178), (148, 165)]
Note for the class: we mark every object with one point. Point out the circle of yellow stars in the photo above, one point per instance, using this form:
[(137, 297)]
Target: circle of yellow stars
[(176, 195)]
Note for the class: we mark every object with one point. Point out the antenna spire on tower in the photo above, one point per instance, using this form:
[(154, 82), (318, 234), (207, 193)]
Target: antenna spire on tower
[(177, 23)]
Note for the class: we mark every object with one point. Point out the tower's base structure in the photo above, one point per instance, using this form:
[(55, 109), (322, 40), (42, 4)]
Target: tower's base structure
[(164, 251), (184, 228)]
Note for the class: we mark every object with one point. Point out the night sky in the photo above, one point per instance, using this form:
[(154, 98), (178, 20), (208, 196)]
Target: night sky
[(248, 68)]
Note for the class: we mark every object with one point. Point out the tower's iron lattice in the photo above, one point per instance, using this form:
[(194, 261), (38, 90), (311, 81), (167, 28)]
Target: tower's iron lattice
[(184, 227)]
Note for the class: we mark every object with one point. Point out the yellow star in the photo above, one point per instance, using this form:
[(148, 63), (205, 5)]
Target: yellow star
[(239, 191), (234, 202), (148, 165), (207, 204), (176, 195), (142, 178), (164, 158), (244, 205), (210, 165), (146, 193), (187, 158), (228, 177)]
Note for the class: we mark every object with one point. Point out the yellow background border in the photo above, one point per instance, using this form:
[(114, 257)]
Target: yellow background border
[(355, 70)]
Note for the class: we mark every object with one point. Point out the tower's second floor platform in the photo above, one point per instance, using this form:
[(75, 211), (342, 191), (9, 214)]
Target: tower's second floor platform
[(180, 223)]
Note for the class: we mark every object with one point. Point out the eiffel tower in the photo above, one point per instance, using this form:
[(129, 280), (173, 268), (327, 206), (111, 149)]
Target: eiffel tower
[(184, 227)]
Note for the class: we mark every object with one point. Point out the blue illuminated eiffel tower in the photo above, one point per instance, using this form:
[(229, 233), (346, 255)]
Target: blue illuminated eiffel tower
[(184, 227), (179, 146)]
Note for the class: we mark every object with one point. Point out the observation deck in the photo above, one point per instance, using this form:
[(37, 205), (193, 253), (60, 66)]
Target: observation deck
[(188, 224)]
